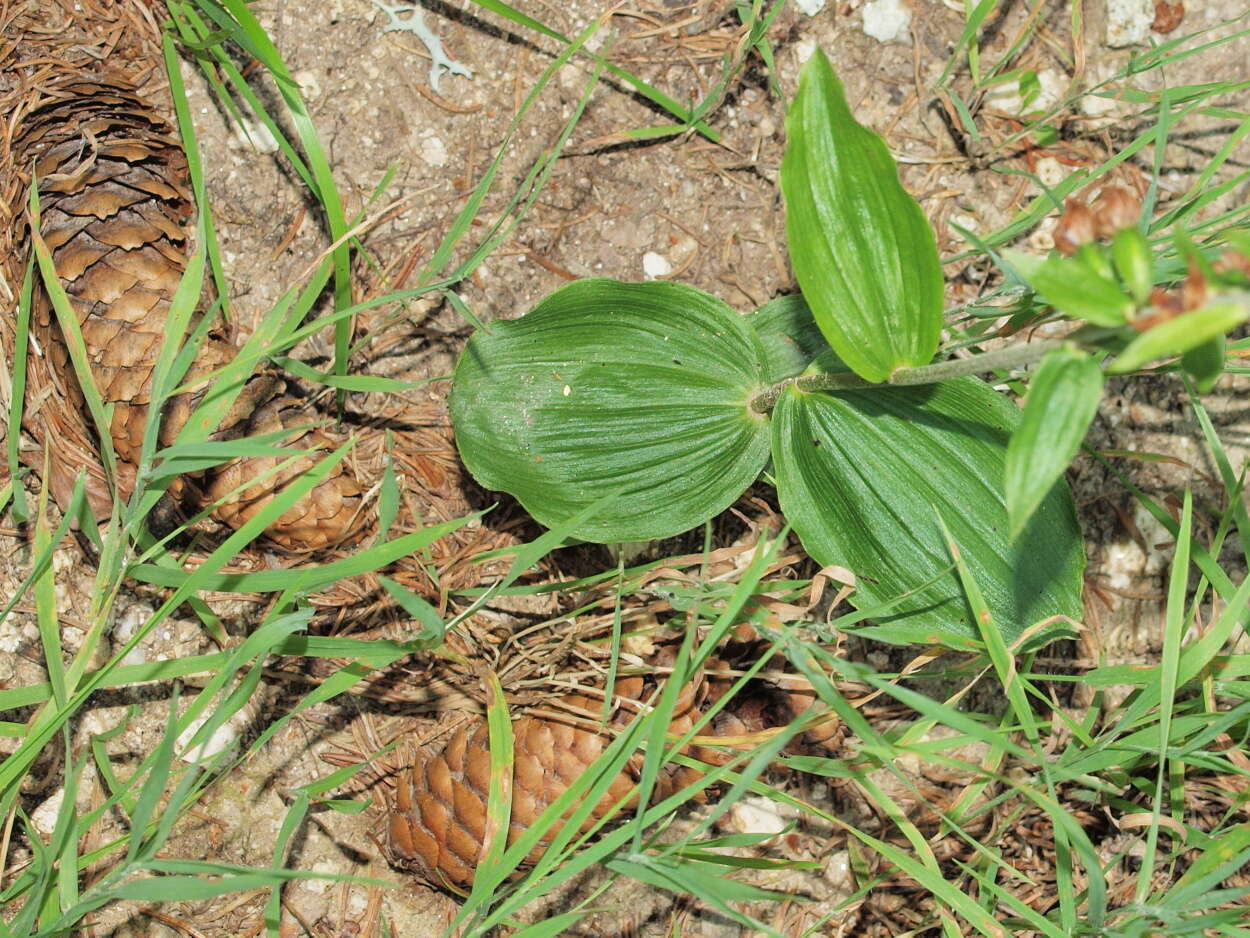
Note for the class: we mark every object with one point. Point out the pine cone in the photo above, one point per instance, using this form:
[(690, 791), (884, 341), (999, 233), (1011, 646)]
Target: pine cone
[(115, 213), (437, 821), (330, 512)]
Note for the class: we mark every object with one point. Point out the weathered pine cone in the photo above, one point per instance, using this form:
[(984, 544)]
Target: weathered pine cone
[(322, 518), (115, 212), (437, 820)]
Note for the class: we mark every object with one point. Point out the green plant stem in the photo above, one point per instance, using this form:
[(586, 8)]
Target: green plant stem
[(1014, 356)]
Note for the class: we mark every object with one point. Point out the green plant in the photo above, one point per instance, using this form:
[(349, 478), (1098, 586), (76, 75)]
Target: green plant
[(671, 402)]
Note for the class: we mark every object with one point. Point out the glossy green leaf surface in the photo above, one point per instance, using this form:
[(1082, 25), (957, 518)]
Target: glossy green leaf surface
[(1073, 287), (864, 476), (790, 336), (1187, 331), (1063, 398), (641, 390), (861, 248)]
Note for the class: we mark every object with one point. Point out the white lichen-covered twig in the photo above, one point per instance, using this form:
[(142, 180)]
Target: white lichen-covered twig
[(415, 24)]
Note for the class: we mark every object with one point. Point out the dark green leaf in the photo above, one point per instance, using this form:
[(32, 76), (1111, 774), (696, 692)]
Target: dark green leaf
[(864, 475), (1071, 286), (432, 630), (1175, 336), (862, 250), (1205, 363), (790, 337), (346, 806), (1063, 398), (388, 495), (639, 390)]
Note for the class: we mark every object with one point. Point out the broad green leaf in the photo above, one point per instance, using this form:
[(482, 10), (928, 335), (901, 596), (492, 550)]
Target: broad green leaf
[(1063, 398), (862, 250), (791, 338), (1072, 286), (640, 390), (1187, 331), (864, 477)]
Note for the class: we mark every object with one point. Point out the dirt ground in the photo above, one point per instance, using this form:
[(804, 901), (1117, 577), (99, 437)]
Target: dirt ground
[(705, 214)]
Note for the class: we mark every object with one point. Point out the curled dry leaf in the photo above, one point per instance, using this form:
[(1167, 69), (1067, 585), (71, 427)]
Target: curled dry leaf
[(1075, 227), (1114, 208), (1167, 16)]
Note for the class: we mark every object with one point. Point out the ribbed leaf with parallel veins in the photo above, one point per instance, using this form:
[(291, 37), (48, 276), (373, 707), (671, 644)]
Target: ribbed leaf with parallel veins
[(861, 248), (637, 389), (864, 476)]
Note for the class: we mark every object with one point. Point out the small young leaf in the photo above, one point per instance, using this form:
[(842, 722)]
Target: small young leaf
[(864, 475), (1063, 398), (642, 390), (861, 248), (1028, 87), (791, 338), (1205, 363), (1238, 239), (1071, 286), (1133, 261), (1045, 135), (1176, 336)]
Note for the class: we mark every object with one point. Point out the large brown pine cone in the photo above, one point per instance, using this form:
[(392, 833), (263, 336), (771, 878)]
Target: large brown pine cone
[(115, 212), (436, 823)]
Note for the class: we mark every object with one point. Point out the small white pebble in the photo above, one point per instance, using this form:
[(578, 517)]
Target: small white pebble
[(251, 135), (131, 619), (1050, 88), (309, 86), (1050, 171), (966, 222), (1129, 22), (838, 871), (434, 151), (655, 265), (638, 644), (755, 815), (43, 818), (219, 741), (887, 20), (811, 7)]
